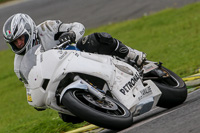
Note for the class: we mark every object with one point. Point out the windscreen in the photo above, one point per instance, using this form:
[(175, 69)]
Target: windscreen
[(28, 61)]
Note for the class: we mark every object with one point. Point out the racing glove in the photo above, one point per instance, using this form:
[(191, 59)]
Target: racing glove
[(67, 36)]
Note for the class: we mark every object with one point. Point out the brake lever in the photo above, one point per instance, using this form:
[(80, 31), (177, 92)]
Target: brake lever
[(62, 45)]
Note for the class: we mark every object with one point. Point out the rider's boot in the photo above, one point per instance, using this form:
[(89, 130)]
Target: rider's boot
[(132, 56), (136, 56)]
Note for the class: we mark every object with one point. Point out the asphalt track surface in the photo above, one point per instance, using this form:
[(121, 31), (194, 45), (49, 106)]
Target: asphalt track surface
[(91, 13), (181, 119)]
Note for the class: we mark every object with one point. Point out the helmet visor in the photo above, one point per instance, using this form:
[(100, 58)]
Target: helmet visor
[(19, 44)]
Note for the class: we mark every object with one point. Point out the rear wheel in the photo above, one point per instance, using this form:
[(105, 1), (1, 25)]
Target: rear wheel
[(173, 88), (107, 113)]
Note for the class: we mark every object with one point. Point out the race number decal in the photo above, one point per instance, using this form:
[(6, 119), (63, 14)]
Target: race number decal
[(29, 98)]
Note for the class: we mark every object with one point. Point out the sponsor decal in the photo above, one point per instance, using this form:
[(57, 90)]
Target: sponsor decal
[(145, 92), (82, 31), (63, 55), (123, 50), (130, 84)]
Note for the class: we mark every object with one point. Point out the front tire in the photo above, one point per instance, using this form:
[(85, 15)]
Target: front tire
[(107, 113)]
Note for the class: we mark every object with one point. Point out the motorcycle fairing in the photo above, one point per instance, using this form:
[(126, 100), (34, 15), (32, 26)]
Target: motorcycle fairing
[(123, 80)]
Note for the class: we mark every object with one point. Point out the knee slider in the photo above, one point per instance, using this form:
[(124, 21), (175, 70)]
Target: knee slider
[(104, 38), (88, 44)]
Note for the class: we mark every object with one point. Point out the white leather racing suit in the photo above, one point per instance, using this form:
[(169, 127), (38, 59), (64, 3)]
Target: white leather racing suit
[(48, 33)]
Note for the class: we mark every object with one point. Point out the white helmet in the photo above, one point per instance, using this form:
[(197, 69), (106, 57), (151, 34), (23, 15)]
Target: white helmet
[(16, 26)]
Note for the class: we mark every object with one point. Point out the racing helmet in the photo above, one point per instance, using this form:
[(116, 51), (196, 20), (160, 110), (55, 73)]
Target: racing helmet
[(17, 25)]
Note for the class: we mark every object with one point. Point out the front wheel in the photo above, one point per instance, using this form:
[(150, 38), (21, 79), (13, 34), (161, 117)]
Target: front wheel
[(107, 113)]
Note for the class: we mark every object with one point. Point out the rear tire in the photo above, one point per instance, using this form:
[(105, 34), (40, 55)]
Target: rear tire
[(108, 113), (173, 88)]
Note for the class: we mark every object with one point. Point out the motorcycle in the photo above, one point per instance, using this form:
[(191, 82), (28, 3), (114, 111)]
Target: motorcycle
[(101, 89)]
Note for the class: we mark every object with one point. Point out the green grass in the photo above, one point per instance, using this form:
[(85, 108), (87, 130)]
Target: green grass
[(171, 36)]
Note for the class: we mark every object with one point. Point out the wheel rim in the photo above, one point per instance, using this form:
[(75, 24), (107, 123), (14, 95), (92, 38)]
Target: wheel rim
[(108, 106), (105, 103)]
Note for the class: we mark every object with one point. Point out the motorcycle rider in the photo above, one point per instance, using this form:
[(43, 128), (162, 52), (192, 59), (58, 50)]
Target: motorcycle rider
[(21, 33)]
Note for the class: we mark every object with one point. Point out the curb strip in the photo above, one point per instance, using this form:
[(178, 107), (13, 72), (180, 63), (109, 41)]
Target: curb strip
[(84, 129)]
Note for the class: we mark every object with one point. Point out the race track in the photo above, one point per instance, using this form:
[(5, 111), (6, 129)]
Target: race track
[(181, 119)]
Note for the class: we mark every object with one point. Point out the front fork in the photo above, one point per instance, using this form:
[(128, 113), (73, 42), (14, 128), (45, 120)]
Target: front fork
[(93, 90), (81, 84)]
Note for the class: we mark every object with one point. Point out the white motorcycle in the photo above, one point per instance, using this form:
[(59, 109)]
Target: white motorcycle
[(100, 89)]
